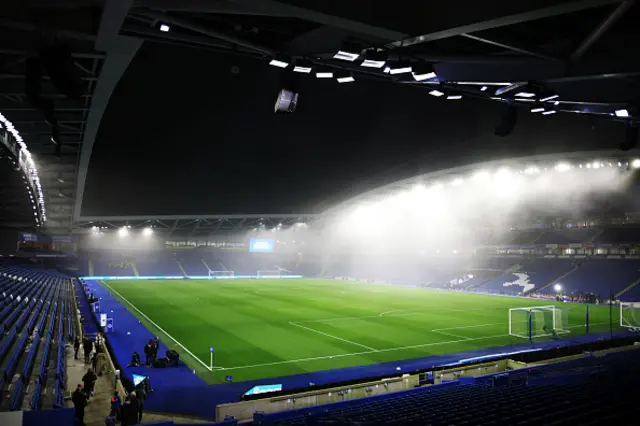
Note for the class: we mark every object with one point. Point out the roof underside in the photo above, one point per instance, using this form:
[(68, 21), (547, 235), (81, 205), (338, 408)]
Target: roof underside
[(579, 48)]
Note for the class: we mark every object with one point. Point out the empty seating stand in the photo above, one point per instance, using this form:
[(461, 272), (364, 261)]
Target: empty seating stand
[(35, 321), (590, 390)]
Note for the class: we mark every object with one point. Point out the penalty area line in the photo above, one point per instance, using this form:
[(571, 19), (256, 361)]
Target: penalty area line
[(334, 337), (156, 325), (400, 348)]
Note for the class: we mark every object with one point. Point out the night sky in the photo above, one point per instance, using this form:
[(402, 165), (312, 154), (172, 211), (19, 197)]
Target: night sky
[(183, 135)]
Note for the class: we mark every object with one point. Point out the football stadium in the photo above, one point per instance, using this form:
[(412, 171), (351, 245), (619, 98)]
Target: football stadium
[(445, 231)]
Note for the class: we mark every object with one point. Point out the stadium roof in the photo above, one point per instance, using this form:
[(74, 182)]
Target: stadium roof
[(578, 50), (523, 165)]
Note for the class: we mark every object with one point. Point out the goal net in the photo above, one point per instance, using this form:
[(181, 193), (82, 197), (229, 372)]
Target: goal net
[(268, 274), (538, 321), (221, 274), (630, 315)]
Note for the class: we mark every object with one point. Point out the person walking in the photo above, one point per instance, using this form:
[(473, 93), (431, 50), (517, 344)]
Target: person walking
[(87, 346), (141, 395), (79, 402), (76, 347), (89, 380), (116, 404)]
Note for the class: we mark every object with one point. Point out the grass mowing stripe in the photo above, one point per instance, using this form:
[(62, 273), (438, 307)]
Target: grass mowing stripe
[(155, 325), (333, 337)]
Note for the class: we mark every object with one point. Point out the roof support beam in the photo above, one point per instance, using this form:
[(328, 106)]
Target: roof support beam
[(546, 12), (209, 32), (508, 47), (601, 29), (120, 52)]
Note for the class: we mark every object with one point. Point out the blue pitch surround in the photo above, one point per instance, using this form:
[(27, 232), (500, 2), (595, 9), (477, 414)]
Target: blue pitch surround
[(177, 390)]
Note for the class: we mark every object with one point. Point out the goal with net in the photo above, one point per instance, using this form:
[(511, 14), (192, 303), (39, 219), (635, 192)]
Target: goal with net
[(630, 315), (221, 274), (268, 274), (538, 321)]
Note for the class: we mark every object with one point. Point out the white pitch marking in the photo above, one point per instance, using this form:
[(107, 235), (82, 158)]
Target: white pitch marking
[(359, 353), (446, 333), (157, 326), (333, 337)]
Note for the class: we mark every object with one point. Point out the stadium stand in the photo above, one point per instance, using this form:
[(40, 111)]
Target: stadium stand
[(35, 321), (620, 235), (569, 236), (599, 276), (588, 390), (532, 275)]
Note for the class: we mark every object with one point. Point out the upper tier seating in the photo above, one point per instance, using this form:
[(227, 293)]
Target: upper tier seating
[(36, 318), (600, 276), (568, 236), (589, 390), (530, 276)]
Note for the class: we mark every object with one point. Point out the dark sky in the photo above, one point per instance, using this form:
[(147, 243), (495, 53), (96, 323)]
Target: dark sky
[(183, 135)]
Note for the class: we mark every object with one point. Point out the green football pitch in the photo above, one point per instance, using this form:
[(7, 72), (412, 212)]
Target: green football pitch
[(276, 327)]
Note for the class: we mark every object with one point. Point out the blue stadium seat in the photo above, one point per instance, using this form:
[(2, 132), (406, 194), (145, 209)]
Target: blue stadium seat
[(16, 396)]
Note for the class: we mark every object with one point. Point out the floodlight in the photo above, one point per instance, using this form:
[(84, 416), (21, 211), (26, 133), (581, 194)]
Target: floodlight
[(123, 232), (537, 109), (324, 73), (531, 170), (635, 163), (345, 78), (563, 167), (399, 68), (423, 72), (302, 66), (548, 98), (165, 28), (548, 112), (346, 56), (278, 63), (286, 102), (483, 88), (436, 93), (622, 113), (596, 165), (147, 232), (454, 96), (482, 176), (525, 95), (374, 60), (557, 288), (556, 103)]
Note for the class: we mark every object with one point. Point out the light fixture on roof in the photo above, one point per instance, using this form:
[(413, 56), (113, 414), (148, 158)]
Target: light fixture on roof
[(398, 67), (537, 108), (287, 99), (525, 95), (549, 97), (483, 88), (345, 77), (556, 103), (374, 59), (324, 73), (436, 93), (279, 62), (623, 113), (454, 96), (635, 163), (165, 28), (548, 112), (423, 72), (147, 232), (302, 66)]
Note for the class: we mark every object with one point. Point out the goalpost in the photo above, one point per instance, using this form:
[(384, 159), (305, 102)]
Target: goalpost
[(630, 315), (263, 273), (537, 321), (221, 274)]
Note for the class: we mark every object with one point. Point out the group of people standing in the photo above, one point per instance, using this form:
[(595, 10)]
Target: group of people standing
[(130, 411)]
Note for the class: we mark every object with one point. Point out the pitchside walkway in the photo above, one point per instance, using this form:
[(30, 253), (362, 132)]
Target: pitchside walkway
[(179, 391)]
